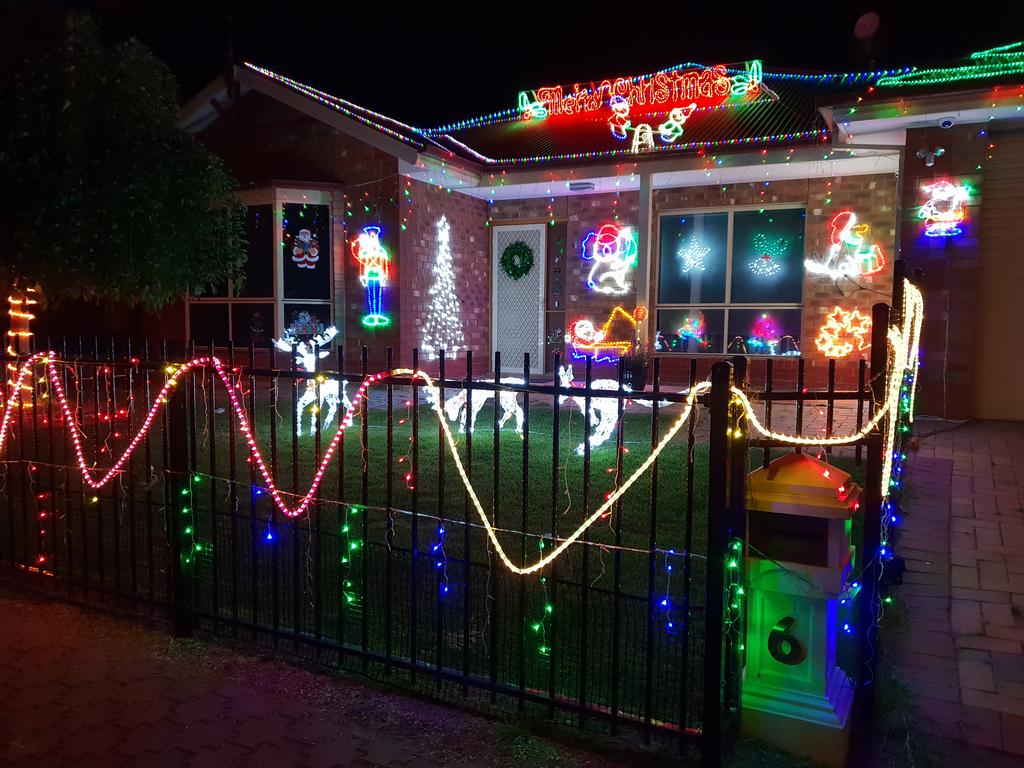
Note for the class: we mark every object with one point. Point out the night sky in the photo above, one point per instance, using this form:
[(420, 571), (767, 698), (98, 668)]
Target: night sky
[(433, 62)]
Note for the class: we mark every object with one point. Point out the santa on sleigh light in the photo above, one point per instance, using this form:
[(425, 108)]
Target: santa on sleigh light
[(613, 340)]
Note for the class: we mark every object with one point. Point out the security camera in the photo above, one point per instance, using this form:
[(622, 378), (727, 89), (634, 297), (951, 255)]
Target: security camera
[(947, 122)]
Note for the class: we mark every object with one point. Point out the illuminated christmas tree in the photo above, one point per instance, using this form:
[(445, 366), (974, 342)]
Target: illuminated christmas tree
[(443, 328)]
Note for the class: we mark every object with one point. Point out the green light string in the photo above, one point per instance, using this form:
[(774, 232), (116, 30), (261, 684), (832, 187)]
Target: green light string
[(734, 593), (539, 625), (189, 520), (352, 546), (994, 62)]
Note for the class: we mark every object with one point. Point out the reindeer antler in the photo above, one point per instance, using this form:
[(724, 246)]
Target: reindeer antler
[(287, 340), (322, 339)]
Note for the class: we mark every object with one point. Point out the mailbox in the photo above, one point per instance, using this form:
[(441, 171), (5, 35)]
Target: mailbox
[(798, 561)]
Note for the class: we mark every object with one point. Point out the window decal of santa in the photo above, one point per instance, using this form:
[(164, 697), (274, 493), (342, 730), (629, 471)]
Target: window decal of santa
[(306, 251)]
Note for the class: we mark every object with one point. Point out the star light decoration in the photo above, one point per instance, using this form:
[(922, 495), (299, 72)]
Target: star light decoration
[(691, 255), (768, 250), (843, 332)]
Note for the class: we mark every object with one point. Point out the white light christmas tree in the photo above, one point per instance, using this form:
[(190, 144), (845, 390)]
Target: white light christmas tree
[(443, 328)]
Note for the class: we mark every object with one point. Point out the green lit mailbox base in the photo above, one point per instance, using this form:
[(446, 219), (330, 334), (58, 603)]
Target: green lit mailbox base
[(794, 696)]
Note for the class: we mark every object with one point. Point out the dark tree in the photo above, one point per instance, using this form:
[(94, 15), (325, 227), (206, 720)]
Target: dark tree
[(102, 196)]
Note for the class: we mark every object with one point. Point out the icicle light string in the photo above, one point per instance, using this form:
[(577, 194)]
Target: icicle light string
[(903, 361)]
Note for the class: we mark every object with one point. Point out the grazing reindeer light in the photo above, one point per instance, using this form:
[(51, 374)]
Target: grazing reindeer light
[(455, 406), (306, 353)]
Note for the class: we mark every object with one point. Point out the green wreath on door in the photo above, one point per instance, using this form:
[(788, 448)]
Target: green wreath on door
[(516, 260)]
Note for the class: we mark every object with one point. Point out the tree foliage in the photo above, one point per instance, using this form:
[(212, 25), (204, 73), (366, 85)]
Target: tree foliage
[(102, 196)]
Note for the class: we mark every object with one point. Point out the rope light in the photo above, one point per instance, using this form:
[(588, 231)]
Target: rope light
[(903, 359)]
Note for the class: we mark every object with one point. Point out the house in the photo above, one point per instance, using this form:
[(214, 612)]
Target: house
[(702, 210)]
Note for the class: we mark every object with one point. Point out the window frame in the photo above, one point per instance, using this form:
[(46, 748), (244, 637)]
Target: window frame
[(728, 304), (276, 197)]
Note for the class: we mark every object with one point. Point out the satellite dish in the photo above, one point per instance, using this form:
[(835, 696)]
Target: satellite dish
[(866, 26)]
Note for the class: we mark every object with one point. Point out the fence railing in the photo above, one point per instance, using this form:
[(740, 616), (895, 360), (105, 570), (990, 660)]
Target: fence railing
[(392, 569)]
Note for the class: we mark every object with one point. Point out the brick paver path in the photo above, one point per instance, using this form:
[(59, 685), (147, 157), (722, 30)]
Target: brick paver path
[(80, 689), (963, 537)]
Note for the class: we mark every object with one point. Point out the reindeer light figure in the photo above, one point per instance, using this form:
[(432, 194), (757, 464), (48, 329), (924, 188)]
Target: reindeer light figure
[(604, 411), (332, 392), (455, 406)]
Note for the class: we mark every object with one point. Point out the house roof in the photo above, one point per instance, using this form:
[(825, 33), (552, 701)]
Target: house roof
[(566, 125)]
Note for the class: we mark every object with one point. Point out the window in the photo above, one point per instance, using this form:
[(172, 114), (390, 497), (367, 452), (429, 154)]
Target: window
[(288, 274), (730, 281), (241, 311)]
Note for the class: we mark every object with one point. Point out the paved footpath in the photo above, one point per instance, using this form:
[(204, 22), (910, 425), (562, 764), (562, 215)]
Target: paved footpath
[(81, 689), (963, 538)]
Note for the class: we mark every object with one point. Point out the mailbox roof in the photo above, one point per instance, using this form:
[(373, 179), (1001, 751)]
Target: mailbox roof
[(798, 484)]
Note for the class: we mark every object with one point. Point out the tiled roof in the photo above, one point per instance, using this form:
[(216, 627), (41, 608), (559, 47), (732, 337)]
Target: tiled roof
[(791, 118), (785, 112)]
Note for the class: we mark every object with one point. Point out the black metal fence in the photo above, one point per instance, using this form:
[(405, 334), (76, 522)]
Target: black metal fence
[(391, 571)]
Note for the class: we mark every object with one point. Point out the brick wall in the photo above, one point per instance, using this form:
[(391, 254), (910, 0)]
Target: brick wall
[(873, 198), (946, 269), (422, 207)]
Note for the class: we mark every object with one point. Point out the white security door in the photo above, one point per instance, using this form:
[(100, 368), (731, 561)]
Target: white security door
[(517, 316)]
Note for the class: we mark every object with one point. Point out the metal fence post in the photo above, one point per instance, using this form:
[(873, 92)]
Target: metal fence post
[(872, 531), (737, 517), (177, 498), (718, 539)]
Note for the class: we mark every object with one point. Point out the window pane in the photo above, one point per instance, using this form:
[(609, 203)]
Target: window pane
[(691, 258), (768, 256), (764, 331), (252, 323), (208, 322), (306, 250), (690, 330), (259, 267), (306, 319)]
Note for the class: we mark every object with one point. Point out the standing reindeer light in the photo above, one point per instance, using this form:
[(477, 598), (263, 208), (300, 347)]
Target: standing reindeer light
[(332, 392)]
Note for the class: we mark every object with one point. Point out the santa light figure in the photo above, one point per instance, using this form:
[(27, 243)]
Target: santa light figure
[(849, 253), (306, 251), (943, 211), (613, 251), (607, 343), (373, 274)]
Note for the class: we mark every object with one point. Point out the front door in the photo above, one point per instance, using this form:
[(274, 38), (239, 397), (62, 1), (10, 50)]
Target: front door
[(517, 297)]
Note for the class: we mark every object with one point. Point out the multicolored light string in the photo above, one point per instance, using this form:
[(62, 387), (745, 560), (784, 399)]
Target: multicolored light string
[(903, 343)]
